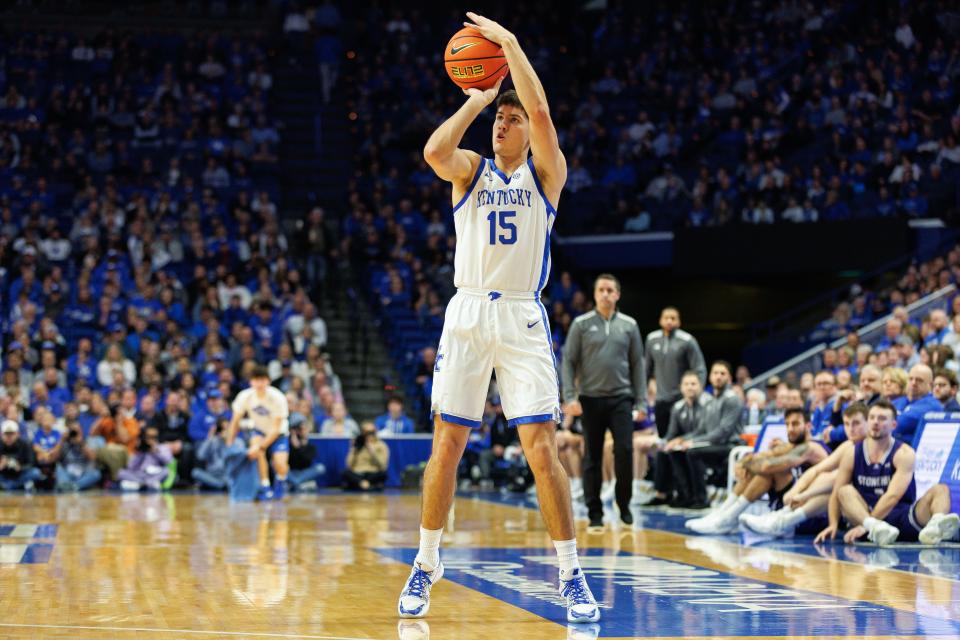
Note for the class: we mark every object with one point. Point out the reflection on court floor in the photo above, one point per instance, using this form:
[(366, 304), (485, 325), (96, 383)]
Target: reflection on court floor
[(331, 565)]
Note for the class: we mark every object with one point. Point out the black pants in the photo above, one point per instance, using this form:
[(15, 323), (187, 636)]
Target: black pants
[(689, 470), (661, 413), (351, 480), (600, 414)]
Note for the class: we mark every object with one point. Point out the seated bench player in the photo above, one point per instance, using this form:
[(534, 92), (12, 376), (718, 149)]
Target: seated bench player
[(806, 503), (771, 472), (875, 491)]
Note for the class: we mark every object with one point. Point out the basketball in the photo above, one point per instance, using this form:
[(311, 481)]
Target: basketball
[(473, 61)]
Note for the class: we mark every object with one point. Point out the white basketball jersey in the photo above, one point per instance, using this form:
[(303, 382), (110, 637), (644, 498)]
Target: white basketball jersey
[(263, 411), (503, 228)]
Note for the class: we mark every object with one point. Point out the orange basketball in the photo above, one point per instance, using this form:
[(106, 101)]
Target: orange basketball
[(473, 61)]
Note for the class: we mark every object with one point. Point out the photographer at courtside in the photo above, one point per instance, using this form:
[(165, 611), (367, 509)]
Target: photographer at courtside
[(367, 461)]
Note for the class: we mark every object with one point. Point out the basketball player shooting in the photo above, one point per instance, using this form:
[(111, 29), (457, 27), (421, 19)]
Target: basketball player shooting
[(503, 212)]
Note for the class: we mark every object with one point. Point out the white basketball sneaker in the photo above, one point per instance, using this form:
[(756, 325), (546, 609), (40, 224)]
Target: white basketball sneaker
[(884, 533), (942, 526), (770, 524), (415, 597), (581, 605)]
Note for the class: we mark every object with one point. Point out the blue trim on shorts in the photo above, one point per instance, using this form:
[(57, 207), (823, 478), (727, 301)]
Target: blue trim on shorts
[(543, 417), (280, 445), (463, 422), (556, 366), (472, 185)]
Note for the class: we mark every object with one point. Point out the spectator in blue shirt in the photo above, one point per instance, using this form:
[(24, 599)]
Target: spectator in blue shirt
[(891, 332), (919, 402), (945, 390), (206, 419), (825, 388), (394, 421)]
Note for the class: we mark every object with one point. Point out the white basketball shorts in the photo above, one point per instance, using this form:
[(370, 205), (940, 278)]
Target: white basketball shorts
[(485, 331)]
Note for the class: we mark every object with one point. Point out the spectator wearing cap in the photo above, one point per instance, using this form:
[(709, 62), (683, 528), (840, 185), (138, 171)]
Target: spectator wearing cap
[(394, 421), (204, 420), (303, 467), (17, 469), (211, 470), (945, 390), (920, 400)]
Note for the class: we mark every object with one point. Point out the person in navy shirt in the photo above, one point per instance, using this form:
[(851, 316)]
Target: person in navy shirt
[(919, 402), (394, 421), (945, 390), (875, 491)]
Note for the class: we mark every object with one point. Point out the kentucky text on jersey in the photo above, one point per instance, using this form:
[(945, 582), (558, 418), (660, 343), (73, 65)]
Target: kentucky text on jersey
[(501, 197)]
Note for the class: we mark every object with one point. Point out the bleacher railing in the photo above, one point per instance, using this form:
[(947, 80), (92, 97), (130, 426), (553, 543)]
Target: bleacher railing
[(809, 360)]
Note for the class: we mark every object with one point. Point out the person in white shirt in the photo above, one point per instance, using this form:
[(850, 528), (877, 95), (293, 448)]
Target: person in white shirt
[(268, 411)]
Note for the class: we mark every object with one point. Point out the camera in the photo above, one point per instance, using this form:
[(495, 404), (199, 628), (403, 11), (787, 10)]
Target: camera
[(359, 441), (73, 435)]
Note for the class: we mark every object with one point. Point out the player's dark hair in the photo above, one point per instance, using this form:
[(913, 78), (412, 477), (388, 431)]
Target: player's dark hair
[(796, 410), (510, 99), (259, 371), (854, 409), (883, 403)]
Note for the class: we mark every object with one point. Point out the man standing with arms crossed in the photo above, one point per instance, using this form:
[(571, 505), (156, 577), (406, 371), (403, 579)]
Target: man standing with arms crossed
[(504, 209), (604, 380), (670, 353)]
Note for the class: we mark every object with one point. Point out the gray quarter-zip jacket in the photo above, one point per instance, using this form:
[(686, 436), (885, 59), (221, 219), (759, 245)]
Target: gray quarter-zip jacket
[(686, 418), (721, 422), (604, 358), (668, 358)]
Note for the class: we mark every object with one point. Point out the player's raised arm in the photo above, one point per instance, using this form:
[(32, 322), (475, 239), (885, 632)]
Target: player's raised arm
[(544, 143), (442, 150)]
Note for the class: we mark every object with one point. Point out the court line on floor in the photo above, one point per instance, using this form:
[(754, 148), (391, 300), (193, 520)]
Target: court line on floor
[(800, 554), (159, 630)]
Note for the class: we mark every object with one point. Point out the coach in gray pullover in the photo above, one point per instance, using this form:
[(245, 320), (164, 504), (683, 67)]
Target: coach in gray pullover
[(604, 381), (671, 352)]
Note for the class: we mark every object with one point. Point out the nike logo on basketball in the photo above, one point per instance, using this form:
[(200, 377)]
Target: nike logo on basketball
[(455, 50), (531, 324)]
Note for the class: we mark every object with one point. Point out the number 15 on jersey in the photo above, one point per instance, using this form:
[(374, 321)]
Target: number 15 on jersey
[(500, 221)]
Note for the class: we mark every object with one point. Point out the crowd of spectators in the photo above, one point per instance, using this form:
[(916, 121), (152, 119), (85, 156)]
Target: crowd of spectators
[(144, 267)]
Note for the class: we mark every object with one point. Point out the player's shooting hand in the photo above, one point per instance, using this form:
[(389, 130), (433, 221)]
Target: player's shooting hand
[(485, 96), (492, 31)]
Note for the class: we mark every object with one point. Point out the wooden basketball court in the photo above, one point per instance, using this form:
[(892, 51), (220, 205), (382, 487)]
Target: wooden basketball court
[(331, 566)]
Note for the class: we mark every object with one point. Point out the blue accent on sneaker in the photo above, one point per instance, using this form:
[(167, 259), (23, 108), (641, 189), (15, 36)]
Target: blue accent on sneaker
[(279, 489), (265, 493), (576, 593)]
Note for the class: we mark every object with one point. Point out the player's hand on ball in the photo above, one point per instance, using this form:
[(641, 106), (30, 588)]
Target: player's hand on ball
[(487, 96), (492, 31)]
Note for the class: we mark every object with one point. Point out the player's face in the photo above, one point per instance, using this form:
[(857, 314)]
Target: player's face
[(796, 428), (259, 384), (855, 427), (880, 423), (511, 133)]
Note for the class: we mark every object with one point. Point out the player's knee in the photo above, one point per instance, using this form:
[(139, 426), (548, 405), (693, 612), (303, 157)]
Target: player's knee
[(540, 457), (847, 493)]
